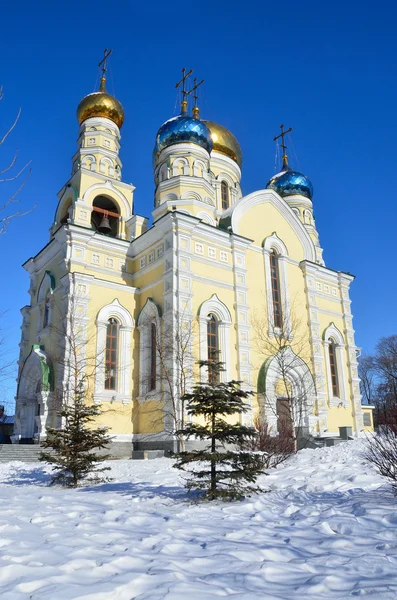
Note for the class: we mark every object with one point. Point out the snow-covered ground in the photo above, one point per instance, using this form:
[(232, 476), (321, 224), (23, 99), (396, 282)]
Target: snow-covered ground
[(327, 529)]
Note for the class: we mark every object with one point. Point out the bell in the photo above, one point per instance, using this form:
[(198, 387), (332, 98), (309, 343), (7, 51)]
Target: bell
[(104, 226)]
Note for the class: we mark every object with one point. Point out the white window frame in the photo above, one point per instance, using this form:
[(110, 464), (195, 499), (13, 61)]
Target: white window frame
[(273, 243), (214, 306), (126, 325), (149, 315), (46, 290), (333, 332)]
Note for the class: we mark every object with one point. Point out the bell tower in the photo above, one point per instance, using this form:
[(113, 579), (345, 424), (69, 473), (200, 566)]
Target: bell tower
[(95, 196)]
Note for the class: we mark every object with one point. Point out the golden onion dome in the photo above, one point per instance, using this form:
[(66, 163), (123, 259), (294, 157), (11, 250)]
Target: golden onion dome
[(224, 142), (101, 104)]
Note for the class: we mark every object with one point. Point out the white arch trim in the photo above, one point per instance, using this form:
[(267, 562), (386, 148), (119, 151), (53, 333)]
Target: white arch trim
[(238, 210), (47, 284), (333, 332), (123, 391), (225, 177), (190, 195), (31, 395), (206, 218), (214, 306), (107, 189), (273, 242), (302, 386)]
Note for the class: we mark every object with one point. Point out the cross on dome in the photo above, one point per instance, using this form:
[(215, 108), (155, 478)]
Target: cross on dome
[(184, 92), (283, 146)]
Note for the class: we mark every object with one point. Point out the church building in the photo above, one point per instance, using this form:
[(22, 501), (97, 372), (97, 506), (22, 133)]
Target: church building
[(126, 307)]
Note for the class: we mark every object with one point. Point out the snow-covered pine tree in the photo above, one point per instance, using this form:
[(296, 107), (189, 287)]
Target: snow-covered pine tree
[(74, 447), (219, 469)]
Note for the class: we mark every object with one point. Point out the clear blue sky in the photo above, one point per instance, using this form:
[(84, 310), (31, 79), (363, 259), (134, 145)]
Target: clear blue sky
[(326, 69)]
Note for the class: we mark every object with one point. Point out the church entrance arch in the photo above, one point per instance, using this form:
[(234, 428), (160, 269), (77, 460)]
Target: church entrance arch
[(34, 396), (293, 407)]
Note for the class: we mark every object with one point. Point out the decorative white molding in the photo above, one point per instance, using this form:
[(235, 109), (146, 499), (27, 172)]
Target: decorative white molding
[(302, 388), (107, 188), (207, 218), (241, 208)]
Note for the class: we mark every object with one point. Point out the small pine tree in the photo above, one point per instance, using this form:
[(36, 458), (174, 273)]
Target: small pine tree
[(73, 447), (226, 472)]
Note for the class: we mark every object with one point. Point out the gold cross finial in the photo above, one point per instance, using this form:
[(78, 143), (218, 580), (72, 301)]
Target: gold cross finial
[(283, 146), (183, 90), (103, 66), (196, 110)]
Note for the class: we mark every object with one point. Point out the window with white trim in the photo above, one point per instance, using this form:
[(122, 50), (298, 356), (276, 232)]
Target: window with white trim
[(45, 300), (149, 327), (276, 290), (153, 357), (112, 332), (214, 326), (334, 350), (213, 345), (333, 367), (275, 255), (224, 195)]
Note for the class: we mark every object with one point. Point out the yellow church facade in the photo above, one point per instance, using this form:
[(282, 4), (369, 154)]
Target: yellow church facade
[(130, 308)]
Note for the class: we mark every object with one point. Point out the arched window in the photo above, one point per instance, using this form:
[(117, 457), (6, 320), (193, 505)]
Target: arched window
[(112, 331), (333, 367), (224, 195), (105, 216), (276, 291), (212, 338), (65, 212), (213, 345), (46, 316), (153, 357)]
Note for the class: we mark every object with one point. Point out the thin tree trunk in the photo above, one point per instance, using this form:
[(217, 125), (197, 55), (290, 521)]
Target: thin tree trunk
[(213, 449)]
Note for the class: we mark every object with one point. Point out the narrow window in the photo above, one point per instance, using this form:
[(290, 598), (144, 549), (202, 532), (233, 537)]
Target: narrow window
[(46, 318), (111, 354), (224, 195), (334, 369), (153, 358), (212, 337), (275, 279), (212, 345)]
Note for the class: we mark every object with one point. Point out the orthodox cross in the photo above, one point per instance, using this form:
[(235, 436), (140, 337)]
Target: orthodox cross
[(103, 66), (283, 146), (184, 92), (103, 63), (195, 96)]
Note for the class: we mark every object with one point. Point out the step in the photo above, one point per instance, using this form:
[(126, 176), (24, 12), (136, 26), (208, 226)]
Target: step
[(26, 453)]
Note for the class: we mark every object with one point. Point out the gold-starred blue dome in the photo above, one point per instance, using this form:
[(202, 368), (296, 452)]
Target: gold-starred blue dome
[(291, 183), (183, 129)]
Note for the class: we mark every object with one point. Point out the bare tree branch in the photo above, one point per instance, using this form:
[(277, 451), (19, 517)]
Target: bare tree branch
[(7, 215)]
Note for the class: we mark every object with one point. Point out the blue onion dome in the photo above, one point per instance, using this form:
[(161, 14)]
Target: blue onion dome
[(291, 183), (183, 128)]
